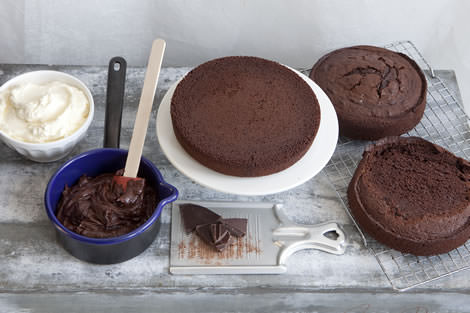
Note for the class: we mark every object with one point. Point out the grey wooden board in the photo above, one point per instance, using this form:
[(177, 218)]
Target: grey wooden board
[(34, 268)]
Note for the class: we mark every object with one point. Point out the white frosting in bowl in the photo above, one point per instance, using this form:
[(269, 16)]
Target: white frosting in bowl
[(40, 113)]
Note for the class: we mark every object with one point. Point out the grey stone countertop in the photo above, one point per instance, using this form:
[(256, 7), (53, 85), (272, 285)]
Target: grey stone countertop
[(35, 270)]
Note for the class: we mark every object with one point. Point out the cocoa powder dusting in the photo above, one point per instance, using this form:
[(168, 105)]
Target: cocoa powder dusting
[(181, 249), (197, 248)]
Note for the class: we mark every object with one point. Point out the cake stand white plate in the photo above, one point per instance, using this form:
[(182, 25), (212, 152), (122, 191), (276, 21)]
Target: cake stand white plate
[(307, 167)]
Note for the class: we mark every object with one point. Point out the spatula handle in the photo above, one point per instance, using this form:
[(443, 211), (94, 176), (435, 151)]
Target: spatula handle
[(145, 108), (114, 102)]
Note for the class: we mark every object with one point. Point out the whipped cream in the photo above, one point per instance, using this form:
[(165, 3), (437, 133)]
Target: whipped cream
[(42, 113)]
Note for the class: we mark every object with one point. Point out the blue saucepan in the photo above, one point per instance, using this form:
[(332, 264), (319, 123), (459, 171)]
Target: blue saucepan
[(93, 163)]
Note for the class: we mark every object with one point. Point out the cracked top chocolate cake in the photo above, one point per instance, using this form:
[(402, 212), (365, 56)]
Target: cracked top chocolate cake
[(376, 92), (412, 195), (244, 116)]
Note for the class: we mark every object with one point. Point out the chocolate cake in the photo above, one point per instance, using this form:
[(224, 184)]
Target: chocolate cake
[(244, 116), (376, 92), (412, 196)]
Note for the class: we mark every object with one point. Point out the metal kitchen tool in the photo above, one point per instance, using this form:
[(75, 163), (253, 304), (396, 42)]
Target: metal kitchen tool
[(444, 123), (270, 240)]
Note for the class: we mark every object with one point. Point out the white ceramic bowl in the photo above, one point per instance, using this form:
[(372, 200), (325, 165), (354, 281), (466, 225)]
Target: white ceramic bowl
[(54, 150)]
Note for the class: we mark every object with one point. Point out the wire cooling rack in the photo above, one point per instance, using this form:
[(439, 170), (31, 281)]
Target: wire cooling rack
[(444, 123)]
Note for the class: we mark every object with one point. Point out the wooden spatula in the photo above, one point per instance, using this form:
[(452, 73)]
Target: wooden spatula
[(143, 114)]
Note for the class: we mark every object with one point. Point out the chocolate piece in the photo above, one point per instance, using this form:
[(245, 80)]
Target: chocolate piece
[(376, 92), (205, 232), (97, 207), (244, 116), (210, 227), (223, 242), (412, 195), (194, 215), (236, 226), (218, 231)]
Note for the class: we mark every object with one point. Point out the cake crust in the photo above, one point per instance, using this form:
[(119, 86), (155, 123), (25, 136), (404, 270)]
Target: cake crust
[(412, 196), (376, 92), (244, 116)]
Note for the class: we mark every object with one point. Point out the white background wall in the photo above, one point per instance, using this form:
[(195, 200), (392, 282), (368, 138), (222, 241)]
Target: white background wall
[(295, 32)]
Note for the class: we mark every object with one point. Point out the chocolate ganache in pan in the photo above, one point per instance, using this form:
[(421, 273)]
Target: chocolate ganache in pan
[(99, 208)]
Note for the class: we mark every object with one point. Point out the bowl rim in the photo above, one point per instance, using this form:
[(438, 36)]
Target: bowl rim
[(60, 142), (111, 240)]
